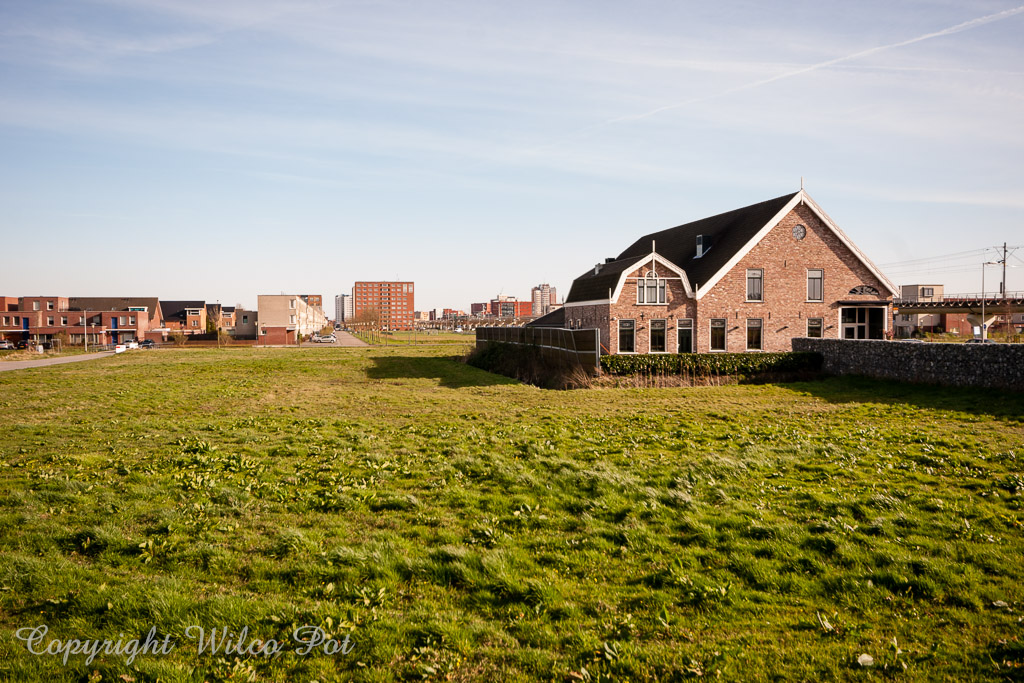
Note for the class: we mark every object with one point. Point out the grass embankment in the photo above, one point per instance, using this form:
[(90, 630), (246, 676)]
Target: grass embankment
[(460, 526), (427, 337)]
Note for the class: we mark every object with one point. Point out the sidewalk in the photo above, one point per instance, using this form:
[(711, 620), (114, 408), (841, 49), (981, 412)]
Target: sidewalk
[(22, 364)]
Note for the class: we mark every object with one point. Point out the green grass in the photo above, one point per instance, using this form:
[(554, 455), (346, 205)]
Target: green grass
[(461, 526), (421, 337)]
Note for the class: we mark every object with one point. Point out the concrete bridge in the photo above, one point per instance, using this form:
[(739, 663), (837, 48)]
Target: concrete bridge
[(970, 304)]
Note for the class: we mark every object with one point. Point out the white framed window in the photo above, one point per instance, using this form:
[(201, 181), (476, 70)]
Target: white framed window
[(755, 284), (131, 320), (684, 335), (627, 336), (755, 340), (651, 289), (815, 284), (718, 334), (291, 303), (658, 336), (35, 305), (122, 320), (63, 320), (815, 327), (291, 319), (49, 305), (927, 291), (49, 320)]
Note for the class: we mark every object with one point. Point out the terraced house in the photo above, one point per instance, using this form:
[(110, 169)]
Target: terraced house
[(751, 279)]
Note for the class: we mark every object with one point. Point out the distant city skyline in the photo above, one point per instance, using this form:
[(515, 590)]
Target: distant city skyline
[(220, 151)]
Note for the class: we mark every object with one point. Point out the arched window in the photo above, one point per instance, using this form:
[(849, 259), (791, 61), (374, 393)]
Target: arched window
[(650, 289)]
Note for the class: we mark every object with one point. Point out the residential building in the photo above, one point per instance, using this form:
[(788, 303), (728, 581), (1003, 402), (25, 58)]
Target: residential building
[(220, 317), (750, 279), (104, 320), (316, 300), (542, 297), (503, 306), (386, 305), (343, 308), (906, 325), (284, 318), (185, 316), (245, 323)]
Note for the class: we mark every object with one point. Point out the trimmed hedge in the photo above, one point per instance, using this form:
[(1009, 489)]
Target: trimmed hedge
[(711, 364)]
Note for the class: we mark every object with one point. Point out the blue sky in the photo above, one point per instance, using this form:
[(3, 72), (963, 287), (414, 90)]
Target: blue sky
[(220, 150)]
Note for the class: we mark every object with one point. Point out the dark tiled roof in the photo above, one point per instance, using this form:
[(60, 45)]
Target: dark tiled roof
[(555, 318), (591, 286), (727, 232), (99, 303), (175, 310)]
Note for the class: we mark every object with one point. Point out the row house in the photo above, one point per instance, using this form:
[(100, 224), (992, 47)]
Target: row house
[(105, 320), (184, 316), (284, 318), (750, 279)]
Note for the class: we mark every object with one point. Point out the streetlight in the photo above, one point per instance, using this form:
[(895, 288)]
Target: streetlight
[(984, 330)]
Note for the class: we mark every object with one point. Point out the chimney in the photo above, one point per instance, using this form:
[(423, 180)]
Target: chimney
[(609, 260), (597, 268), (700, 246)]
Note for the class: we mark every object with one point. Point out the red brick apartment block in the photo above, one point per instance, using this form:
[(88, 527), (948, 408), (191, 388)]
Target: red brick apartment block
[(108, 320), (751, 279), (388, 305)]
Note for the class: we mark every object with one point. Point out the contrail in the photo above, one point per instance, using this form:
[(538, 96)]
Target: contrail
[(973, 23)]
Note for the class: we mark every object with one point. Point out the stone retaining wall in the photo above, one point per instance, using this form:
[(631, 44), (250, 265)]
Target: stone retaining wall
[(996, 366)]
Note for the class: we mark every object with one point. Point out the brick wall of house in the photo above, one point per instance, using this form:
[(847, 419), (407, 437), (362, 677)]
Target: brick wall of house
[(785, 309), (276, 336)]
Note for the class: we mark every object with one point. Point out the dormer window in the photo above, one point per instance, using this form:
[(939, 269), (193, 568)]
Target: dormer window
[(651, 289), (703, 245)]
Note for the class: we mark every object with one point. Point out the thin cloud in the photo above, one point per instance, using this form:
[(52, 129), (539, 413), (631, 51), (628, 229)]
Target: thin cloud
[(967, 25)]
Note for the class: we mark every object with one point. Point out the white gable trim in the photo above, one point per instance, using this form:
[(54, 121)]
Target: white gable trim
[(800, 197), (657, 259)]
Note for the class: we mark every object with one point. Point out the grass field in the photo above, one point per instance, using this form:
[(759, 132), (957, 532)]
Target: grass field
[(459, 526)]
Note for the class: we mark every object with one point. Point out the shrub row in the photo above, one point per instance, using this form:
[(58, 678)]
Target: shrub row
[(711, 364)]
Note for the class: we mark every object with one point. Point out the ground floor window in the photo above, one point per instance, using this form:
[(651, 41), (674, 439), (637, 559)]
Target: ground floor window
[(627, 336), (863, 322), (684, 335), (658, 340), (815, 327), (754, 334), (718, 334)]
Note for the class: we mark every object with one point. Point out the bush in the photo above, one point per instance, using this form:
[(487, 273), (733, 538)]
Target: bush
[(711, 364)]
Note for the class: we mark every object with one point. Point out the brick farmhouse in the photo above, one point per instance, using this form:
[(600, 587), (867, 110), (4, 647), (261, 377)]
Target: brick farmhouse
[(751, 279)]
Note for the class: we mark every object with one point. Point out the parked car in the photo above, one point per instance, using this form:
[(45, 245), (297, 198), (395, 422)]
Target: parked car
[(21, 344), (6, 345), (147, 344), (979, 340), (329, 339)]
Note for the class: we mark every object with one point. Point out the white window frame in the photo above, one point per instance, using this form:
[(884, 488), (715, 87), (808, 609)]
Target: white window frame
[(645, 284), (759, 324), (688, 326), (618, 339), (725, 334), (758, 274), (821, 280), (650, 336)]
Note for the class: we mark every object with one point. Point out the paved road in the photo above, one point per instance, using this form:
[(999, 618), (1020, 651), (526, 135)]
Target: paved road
[(22, 364), (348, 339)]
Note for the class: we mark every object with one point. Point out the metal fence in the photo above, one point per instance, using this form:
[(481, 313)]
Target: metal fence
[(579, 346)]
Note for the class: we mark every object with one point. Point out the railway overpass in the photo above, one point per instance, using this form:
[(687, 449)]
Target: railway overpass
[(971, 305)]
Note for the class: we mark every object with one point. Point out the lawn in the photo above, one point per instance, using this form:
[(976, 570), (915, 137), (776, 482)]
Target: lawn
[(455, 525)]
